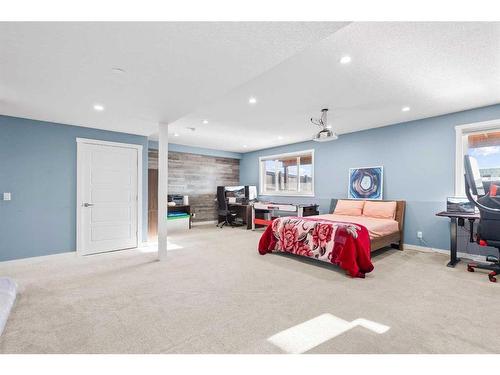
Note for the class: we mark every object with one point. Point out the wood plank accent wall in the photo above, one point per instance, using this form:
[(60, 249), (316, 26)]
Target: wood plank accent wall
[(198, 177)]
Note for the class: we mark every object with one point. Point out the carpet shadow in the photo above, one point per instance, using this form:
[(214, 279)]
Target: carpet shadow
[(379, 254), (311, 261), (383, 253)]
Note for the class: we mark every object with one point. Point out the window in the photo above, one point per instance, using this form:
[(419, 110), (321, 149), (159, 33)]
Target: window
[(287, 174), (482, 141)]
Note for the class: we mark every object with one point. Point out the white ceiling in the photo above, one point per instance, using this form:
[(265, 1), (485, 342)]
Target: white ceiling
[(435, 68), (57, 71), (182, 73)]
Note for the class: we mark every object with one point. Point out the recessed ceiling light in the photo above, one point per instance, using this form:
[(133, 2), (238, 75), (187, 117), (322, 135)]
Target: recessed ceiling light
[(176, 134), (405, 109), (345, 59), (245, 146), (280, 137), (205, 122), (98, 107), (252, 100)]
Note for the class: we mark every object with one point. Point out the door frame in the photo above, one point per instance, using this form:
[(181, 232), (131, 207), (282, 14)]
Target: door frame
[(79, 179)]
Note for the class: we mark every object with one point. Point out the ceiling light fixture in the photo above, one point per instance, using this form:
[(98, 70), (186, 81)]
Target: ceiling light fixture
[(405, 109), (280, 137), (325, 134), (245, 146), (252, 100), (98, 107), (205, 122), (176, 134), (345, 59)]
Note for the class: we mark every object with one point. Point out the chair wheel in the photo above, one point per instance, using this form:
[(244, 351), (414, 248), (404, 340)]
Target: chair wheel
[(470, 269), (493, 279)]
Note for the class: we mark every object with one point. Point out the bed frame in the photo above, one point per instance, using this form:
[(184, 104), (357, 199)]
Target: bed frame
[(394, 240)]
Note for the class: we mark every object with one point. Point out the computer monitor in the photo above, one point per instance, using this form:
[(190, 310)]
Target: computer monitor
[(251, 193), (241, 193), (237, 192), (473, 176)]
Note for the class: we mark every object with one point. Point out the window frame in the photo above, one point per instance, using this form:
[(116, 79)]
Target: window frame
[(277, 192), (461, 131)]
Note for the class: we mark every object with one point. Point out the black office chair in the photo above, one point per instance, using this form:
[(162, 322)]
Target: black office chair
[(488, 230), (224, 211)]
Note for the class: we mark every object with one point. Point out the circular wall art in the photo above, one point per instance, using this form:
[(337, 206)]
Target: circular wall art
[(366, 183)]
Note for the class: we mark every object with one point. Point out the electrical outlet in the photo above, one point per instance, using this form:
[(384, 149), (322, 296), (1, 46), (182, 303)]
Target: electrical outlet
[(419, 235), (7, 196)]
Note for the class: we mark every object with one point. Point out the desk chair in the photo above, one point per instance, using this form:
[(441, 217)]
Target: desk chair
[(224, 211), (488, 230)]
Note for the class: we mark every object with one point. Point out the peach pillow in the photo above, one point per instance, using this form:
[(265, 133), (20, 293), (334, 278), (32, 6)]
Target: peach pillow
[(349, 207), (381, 210)]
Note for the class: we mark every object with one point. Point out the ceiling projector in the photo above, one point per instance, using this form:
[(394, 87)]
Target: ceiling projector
[(325, 134)]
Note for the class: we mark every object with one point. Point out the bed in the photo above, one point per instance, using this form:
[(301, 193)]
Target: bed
[(391, 236), (345, 237)]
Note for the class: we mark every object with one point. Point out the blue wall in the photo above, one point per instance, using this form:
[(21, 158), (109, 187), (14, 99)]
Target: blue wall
[(197, 150), (419, 167), (38, 166)]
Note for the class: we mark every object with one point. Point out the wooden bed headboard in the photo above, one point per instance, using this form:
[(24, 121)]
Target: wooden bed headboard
[(400, 215)]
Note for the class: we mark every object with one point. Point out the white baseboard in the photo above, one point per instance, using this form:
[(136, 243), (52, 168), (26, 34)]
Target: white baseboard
[(196, 223), (36, 258), (425, 249)]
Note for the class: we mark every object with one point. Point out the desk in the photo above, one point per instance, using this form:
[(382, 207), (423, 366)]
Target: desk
[(243, 211), (458, 219), (297, 209)]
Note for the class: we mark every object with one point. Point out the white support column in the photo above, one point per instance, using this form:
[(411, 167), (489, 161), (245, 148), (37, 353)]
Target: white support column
[(162, 190)]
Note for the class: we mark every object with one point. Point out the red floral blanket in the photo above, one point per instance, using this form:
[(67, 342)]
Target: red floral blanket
[(344, 244)]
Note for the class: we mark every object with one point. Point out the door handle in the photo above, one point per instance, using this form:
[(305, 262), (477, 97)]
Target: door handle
[(88, 204)]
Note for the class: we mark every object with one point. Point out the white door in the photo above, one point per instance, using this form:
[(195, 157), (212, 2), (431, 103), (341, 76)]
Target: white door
[(107, 197)]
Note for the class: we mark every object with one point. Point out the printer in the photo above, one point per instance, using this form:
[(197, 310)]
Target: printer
[(176, 198)]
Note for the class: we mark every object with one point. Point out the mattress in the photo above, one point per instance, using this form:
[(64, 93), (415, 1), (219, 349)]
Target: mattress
[(376, 227)]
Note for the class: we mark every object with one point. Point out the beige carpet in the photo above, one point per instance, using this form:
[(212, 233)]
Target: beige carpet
[(216, 294)]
